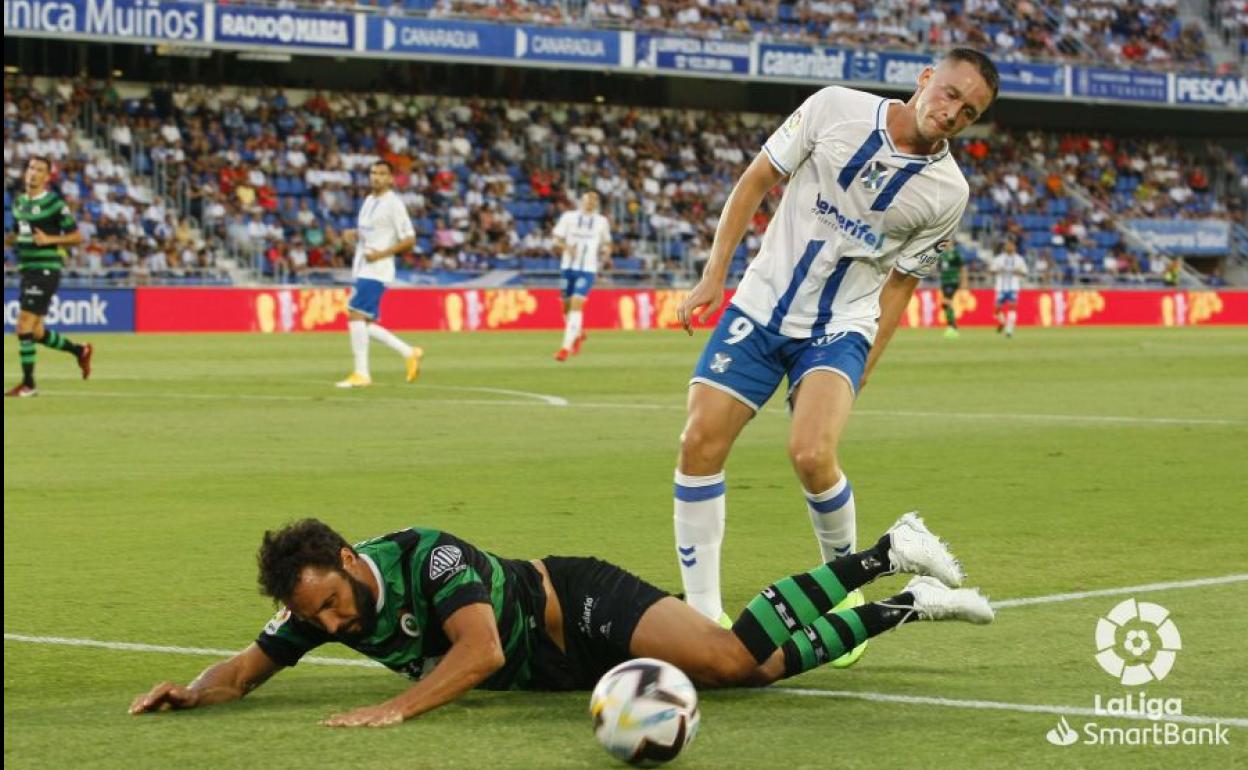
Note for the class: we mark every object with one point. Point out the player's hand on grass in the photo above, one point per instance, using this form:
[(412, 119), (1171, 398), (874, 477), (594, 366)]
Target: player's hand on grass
[(165, 696), (370, 716), (708, 296)]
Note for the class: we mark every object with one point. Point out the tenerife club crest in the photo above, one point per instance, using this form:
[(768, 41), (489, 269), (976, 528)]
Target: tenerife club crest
[(873, 176)]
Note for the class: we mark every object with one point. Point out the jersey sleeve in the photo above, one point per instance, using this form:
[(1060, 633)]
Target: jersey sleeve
[(561, 227), (400, 220), (921, 253), (286, 639), (447, 579), (604, 228), (793, 141)]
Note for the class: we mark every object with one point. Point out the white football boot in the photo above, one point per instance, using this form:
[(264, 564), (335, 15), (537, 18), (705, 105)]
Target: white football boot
[(933, 600), (914, 550)]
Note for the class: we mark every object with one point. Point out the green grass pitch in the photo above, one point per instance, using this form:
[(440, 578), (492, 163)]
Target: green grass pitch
[(1060, 461)]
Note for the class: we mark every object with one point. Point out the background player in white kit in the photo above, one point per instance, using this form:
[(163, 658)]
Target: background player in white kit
[(872, 200), (582, 238), (1009, 268), (384, 231)]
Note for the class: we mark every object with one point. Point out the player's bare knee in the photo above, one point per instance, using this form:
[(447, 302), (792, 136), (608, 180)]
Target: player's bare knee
[(701, 450), (816, 465)]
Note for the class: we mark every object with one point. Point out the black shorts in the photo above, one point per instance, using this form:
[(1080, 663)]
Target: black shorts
[(38, 289), (948, 290), (602, 605)]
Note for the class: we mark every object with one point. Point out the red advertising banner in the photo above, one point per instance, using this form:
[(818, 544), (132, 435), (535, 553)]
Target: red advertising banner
[(1086, 307), (295, 309)]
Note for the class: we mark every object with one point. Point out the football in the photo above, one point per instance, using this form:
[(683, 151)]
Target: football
[(645, 712)]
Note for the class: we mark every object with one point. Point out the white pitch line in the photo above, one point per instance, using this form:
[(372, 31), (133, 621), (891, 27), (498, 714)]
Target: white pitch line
[(877, 697), (992, 705), (1140, 589), (542, 397), (175, 650)]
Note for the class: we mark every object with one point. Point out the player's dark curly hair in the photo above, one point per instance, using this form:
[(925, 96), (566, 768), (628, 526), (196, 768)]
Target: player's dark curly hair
[(981, 62), (285, 552)]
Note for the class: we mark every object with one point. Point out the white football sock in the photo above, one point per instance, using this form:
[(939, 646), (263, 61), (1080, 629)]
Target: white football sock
[(571, 329), (383, 335), (832, 515), (699, 518), (359, 345), (1010, 318)]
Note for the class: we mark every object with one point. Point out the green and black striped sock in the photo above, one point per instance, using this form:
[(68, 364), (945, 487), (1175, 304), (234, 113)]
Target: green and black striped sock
[(57, 341), (785, 607), (949, 316), (831, 636), (26, 351)]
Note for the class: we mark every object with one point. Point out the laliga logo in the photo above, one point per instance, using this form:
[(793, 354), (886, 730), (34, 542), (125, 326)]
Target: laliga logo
[(1147, 636)]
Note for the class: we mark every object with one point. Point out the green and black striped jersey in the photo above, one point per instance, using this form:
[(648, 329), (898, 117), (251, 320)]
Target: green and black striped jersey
[(49, 213), (427, 575)]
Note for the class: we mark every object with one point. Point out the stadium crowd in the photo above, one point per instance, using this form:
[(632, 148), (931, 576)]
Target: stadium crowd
[(1134, 33), (272, 178)]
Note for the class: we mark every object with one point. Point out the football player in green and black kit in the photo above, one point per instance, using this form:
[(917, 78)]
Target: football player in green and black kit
[(453, 617), (952, 280), (45, 230)]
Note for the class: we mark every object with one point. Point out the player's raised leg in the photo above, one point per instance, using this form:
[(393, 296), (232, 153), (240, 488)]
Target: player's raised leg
[(411, 355), (53, 339), (790, 626)]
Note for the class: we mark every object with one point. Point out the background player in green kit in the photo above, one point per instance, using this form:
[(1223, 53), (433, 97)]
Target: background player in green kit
[(45, 229), (453, 617), (952, 280)]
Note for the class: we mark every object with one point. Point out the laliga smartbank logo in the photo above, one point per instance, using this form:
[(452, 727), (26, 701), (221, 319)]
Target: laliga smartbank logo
[(1137, 643)]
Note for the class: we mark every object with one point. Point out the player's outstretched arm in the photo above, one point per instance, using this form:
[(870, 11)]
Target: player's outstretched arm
[(475, 654), (894, 297), (708, 294), (222, 682)]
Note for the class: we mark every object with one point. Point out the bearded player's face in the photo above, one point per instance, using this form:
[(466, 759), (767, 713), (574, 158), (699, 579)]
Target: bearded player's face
[(334, 601)]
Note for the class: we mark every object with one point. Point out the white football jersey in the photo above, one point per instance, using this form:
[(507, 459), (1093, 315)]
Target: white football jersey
[(854, 208), (382, 223), (1004, 267), (584, 236)]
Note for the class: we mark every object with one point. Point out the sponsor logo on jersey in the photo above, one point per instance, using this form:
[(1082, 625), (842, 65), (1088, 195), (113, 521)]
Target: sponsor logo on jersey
[(720, 363), (277, 621), (409, 625), (791, 125), (444, 559), (873, 176), (859, 229)]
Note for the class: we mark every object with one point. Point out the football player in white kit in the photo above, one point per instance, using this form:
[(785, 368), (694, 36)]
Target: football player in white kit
[(1008, 268), (873, 198), (582, 237), (384, 231)]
